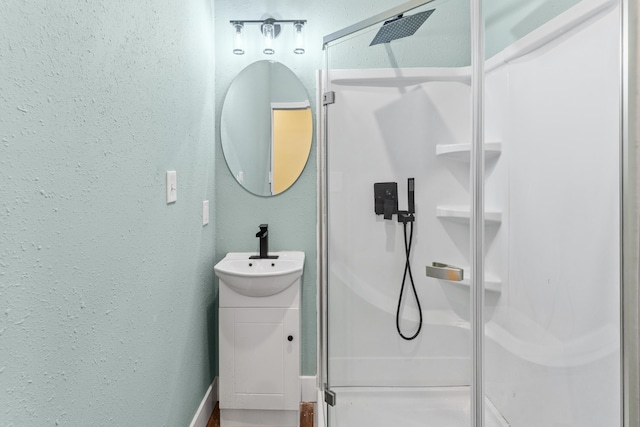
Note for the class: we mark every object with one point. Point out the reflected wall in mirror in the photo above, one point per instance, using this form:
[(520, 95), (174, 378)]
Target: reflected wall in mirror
[(266, 128)]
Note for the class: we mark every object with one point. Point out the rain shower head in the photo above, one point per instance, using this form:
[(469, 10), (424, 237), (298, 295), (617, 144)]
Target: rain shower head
[(400, 27)]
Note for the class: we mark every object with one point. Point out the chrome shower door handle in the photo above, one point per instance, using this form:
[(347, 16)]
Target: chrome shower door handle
[(442, 271)]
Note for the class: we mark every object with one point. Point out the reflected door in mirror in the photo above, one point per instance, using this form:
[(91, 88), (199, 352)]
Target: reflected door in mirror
[(291, 143)]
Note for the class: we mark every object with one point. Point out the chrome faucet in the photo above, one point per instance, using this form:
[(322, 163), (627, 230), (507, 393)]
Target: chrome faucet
[(263, 235)]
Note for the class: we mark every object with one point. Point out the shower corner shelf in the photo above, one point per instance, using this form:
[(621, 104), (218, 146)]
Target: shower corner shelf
[(462, 214), (491, 284), (461, 152)]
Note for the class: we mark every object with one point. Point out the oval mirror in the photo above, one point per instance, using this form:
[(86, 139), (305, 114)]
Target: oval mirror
[(266, 128)]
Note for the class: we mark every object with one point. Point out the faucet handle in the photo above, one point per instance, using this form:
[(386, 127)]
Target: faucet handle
[(263, 230)]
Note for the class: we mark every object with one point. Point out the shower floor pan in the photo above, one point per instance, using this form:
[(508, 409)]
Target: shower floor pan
[(407, 407)]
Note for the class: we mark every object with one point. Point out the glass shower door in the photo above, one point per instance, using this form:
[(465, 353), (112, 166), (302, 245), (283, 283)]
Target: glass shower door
[(398, 127), (399, 118), (552, 257)]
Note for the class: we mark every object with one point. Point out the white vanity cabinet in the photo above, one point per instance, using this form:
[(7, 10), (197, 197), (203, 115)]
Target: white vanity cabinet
[(259, 336), (259, 367)]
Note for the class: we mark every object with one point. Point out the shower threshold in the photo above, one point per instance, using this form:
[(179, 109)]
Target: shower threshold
[(407, 407)]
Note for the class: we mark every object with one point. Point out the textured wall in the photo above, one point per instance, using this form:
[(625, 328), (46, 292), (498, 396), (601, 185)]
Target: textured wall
[(106, 292)]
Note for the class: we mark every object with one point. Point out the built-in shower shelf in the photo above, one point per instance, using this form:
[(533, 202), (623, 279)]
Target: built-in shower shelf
[(491, 284), (462, 152), (462, 214)]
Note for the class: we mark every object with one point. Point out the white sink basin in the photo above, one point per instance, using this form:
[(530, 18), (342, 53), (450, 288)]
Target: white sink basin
[(260, 277)]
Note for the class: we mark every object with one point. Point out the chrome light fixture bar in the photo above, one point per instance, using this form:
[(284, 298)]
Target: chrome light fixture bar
[(270, 29)]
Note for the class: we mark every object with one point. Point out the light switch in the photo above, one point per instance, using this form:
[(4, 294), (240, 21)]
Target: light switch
[(205, 212), (172, 187)]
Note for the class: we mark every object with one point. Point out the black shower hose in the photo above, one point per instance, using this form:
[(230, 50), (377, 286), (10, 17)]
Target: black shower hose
[(407, 269)]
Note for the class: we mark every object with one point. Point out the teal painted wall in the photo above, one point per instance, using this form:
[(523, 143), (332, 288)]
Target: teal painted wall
[(107, 299)]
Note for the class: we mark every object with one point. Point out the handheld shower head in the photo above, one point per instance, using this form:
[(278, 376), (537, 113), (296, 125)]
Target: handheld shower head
[(411, 195)]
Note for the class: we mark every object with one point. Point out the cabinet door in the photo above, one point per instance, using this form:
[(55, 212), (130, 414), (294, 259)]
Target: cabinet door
[(259, 366)]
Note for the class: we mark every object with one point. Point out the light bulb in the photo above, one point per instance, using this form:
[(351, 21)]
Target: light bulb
[(298, 38), (268, 31), (238, 39)]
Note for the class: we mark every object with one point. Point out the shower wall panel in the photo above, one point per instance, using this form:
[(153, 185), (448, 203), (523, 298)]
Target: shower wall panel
[(552, 346)]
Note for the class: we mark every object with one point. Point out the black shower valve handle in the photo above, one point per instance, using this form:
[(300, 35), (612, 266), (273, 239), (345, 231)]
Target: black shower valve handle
[(389, 208)]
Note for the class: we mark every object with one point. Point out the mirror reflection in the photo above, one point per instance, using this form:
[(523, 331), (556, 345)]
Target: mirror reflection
[(266, 128)]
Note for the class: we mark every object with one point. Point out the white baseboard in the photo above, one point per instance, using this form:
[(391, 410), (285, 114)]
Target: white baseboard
[(308, 389), (201, 418)]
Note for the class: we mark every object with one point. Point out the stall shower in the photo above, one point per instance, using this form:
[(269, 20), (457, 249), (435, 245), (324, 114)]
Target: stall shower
[(542, 150)]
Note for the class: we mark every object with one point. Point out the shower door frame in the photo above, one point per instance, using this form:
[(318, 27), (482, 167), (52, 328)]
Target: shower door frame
[(630, 213), (629, 210), (477, 200)]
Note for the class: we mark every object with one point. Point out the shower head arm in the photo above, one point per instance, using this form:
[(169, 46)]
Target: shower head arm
[(381, 17)]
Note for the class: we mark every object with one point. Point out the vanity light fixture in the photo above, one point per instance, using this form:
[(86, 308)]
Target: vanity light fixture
[(270, 29)]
